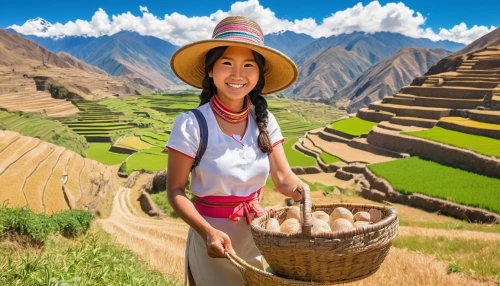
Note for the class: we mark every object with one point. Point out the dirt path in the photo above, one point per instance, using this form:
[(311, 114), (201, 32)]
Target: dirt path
[(160, 242), (451, 234), (327, 179), (347, 153)]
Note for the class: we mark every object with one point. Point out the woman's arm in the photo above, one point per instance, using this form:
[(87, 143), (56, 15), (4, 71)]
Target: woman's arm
[(284, 179), (179, 167)]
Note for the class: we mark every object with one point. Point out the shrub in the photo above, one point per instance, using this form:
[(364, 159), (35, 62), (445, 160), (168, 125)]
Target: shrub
[(37, 227)]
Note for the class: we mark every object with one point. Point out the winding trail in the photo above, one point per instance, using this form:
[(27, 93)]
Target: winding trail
[(160, 242)]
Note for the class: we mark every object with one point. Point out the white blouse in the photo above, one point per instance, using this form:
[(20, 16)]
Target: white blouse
[(230, 166)]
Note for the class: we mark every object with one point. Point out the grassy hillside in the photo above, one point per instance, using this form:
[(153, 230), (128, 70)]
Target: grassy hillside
[(60, 250), (354, 126), (35, 125), (480, 144), (153, 116), (414, 175)]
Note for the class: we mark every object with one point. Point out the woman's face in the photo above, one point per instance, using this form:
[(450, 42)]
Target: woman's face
[(235, 73)]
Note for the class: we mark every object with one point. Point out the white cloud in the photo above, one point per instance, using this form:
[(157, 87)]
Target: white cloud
[(180, 29)]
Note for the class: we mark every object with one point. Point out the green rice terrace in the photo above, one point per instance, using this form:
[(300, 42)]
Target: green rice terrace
[(135, 129), (480, 144), (35, 125), (353, 126), (414, 175)]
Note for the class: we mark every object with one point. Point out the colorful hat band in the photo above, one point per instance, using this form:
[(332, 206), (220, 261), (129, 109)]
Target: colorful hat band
[(238, 32)]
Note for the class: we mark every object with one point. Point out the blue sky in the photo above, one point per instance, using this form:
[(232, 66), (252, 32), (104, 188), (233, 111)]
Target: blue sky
[(435, 15)]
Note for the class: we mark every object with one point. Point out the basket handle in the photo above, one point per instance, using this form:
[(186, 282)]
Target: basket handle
[(306, 210)]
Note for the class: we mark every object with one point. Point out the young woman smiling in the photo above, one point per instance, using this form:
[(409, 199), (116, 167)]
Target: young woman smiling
[(233, 69)]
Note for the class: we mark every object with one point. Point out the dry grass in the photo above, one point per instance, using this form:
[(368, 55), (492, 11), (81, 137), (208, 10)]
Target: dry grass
[(347, 153), (403, 267), (34, 196), (471, 123), (133, 142), (450, 234), (6, 138), (35, 183), (14, 179), (73, 170), (53, 198), (159, 242), (327, 179), (85, 183), (9, 175), (12, 152)]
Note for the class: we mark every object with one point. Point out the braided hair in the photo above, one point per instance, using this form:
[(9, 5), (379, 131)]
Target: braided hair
[(260, 103)]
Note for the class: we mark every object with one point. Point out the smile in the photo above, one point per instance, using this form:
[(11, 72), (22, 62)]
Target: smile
[(235, 85)]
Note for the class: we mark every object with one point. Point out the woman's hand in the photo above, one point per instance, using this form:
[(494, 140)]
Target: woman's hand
[(218, 243), (298, 191)]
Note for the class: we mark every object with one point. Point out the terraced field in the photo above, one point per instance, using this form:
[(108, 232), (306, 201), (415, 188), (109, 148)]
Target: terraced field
[(414, 175), (37, 173), (18, 93), (101, 152), (76, 83), (153, 116), (36, 125), (152, 159), (452, 119), (97, 123), (480, 144)]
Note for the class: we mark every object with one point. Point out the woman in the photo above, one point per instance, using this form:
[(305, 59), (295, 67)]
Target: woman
[(233, 68)]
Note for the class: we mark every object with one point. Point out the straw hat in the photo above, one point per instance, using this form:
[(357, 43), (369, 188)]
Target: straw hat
[(188, 63)]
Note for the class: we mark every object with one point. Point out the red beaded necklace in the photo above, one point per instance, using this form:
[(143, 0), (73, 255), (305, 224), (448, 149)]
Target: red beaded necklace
[(228, 114)]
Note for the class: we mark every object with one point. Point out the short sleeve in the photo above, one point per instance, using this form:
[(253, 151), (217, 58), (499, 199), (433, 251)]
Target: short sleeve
[(185, 135), (274, 130)]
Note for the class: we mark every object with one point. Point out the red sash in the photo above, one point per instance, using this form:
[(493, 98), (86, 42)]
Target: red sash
[(232, 207)]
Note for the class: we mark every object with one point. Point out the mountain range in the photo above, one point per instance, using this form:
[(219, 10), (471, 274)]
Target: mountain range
[(329, 67), (451, 62), (143, 59), (360, 52), (23, 56), (387, 77)]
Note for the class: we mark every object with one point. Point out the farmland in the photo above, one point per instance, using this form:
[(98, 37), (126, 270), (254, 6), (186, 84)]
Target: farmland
[(414, 175), (150, 119), (35, 125), (353, 126), (480, 144)]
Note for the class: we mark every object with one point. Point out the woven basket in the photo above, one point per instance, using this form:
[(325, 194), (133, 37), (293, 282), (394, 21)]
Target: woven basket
[(256, 277), (328, 257)]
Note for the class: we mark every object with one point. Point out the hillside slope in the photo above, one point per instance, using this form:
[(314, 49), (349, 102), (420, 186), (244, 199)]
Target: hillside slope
[(61, 74), (371, 48), (49, 178), (323, 74), (387, 77)]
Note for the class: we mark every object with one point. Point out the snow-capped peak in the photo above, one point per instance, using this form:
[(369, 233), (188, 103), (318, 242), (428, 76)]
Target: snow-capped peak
[(278, 32), (39, 24)]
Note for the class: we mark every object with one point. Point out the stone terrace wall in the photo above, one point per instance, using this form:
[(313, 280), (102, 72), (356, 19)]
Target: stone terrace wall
[(435, 151), (313, 170), (378, 189)]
